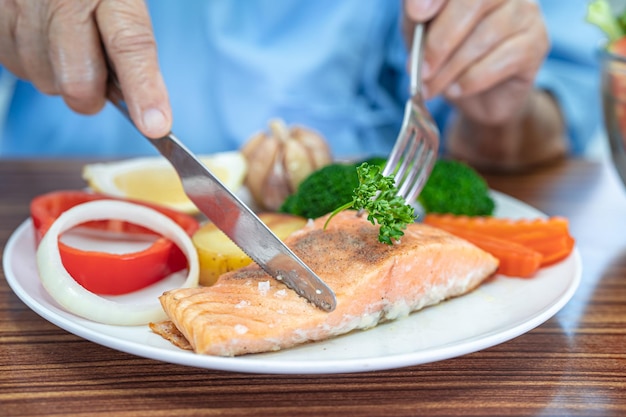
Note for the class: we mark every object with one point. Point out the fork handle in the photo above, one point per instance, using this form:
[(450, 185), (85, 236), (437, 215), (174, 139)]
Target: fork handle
[(417, 56)]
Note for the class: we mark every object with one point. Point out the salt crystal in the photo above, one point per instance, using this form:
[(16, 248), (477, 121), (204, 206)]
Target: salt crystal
[(264, 287), (240, 329)]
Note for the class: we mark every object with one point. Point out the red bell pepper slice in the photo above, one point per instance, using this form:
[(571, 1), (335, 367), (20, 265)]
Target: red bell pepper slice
[(108, 273)]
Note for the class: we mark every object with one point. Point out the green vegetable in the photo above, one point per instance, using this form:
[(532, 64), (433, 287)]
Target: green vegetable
[(377, 194), (326, 189), (454, 187), (374, 160), (323, 191), (600, 14)]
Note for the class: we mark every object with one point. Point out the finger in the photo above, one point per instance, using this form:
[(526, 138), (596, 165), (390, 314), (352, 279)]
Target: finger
[(8, 52), (496, 85), (129, 42), (31, 45), (76, 56), (495, 27), (450, 28), (499, 105), (418, 11), (501, 63), (422, 10)]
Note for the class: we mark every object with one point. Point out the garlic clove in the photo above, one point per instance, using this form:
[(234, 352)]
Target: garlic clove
[(253, 143), (316, 144), (260, 154), (279, 130), (275, 184), (276, 191), (298, 163)]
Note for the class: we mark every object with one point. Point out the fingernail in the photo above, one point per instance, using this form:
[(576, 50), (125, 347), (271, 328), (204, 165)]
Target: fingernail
[(454, 90), (154, 123), (426, 4), (418, 8)]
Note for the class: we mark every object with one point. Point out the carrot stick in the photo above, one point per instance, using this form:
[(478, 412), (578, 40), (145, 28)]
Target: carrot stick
[(498, 226), (558, 255), (553, 248), (548, 236), (515, 260)]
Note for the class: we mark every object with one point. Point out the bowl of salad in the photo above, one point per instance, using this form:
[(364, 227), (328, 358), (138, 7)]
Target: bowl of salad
[(610, 17)]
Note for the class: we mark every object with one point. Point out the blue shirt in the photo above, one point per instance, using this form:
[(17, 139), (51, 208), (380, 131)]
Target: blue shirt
[(336, 66)]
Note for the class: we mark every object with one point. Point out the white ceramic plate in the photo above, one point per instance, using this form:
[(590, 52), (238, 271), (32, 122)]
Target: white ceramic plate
[(499, 310)]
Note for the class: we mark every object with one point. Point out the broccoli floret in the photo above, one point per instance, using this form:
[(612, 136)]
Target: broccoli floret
[(454, 187), (323, 191)]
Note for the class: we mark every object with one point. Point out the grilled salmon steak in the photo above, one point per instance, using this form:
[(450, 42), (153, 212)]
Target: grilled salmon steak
[(247, 311)]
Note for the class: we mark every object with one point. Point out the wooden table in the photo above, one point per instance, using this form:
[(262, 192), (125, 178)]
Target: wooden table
[(574, 364)]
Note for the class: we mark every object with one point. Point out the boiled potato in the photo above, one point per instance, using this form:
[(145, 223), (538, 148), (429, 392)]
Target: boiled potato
[(218, 254)]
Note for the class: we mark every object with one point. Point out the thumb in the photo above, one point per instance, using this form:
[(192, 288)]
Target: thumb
[(422, 10), (129, 42)]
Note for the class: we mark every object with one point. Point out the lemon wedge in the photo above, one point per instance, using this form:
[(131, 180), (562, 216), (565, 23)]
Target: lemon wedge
[(153, 179)]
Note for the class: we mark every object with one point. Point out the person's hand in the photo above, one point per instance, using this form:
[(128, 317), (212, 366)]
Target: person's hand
[(58, 46), (483, 56)]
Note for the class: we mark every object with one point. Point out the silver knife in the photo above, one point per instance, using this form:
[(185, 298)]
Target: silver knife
[(233, 217)]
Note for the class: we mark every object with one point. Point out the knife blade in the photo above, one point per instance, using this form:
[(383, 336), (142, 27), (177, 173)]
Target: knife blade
[(233, 217)]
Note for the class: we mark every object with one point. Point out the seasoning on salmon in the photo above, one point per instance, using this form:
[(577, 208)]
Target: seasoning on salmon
[(247, 311)]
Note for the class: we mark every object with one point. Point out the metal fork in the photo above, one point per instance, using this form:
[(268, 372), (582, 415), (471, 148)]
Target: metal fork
[(415, 151)]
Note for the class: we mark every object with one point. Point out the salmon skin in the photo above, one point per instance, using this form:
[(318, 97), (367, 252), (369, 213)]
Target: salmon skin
[(247, 311)]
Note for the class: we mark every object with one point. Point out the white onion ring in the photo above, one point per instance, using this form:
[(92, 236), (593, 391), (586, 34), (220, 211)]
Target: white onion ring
[(74, 297)]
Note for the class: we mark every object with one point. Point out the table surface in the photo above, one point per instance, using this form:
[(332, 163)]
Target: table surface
[(574, 364)]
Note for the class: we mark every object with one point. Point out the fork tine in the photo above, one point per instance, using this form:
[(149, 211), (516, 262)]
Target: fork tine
[(395, 157), (407, 157), (415, 163), (420, 181)]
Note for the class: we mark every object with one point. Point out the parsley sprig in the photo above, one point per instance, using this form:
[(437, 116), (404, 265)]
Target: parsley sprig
[(378, 195)]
